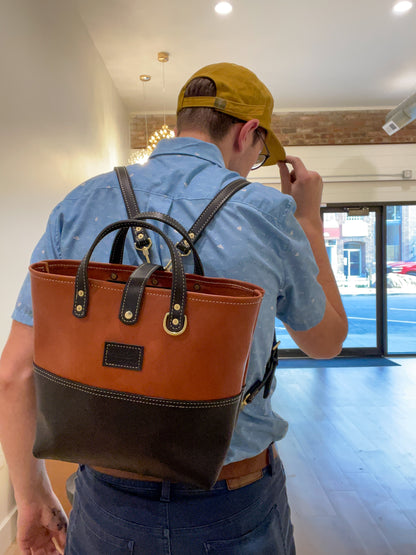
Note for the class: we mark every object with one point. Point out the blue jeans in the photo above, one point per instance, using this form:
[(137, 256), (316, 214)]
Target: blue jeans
[(114, 516)]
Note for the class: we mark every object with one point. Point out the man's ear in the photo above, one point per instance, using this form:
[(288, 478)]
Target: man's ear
[(246, 133)]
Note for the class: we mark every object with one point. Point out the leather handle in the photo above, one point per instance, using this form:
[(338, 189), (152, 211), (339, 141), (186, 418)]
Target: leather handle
[(175, 320), (133, 293), (116, 255)]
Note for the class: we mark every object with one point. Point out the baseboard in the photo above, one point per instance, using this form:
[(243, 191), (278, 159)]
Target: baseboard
[(8, 528)]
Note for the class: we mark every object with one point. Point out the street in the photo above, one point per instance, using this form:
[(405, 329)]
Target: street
[(361, 312)]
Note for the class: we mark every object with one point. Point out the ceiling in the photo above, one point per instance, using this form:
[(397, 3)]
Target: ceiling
[(312, 54)]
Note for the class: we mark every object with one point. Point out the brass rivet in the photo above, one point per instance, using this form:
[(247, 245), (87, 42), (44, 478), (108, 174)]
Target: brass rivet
[(138, 228), (80, 293), (177, 306), (79, 308), (154, 281), (197, 287), (140, 236), (114, 276), (128, 315), (192, 235), (175, 321)]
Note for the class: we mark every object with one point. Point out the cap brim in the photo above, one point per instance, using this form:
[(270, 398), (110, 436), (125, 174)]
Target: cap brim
[(277, 152)]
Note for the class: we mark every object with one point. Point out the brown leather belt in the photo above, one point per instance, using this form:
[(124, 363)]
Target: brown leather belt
[(237, 474)]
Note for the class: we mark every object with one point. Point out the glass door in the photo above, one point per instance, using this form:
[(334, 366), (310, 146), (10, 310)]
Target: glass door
[(352, 239), (401, 278), (351, 235), (372, 252)]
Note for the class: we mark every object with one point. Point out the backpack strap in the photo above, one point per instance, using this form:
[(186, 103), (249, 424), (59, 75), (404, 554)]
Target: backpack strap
[(183, 246), (267, 380), (141, 239), (209, 212)]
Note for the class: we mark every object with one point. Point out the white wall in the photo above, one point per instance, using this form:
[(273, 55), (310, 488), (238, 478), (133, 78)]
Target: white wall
[(61, 121), (364, 173)]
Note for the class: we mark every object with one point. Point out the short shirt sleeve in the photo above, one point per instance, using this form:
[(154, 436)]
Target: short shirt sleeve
[(46, 249), (301, 301)]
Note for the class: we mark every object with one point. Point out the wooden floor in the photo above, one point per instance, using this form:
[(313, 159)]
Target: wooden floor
[(350, 458)]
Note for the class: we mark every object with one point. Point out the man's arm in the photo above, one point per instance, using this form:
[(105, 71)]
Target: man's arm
[(326, 338), (41, 519)]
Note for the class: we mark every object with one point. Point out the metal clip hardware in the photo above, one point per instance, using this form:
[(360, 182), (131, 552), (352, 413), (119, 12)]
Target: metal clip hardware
[(169, 264), (145, 250), (249, 396), (266, 382), (245, 401)]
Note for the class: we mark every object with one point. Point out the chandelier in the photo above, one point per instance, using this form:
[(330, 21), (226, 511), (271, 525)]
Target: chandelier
[(141, 155)]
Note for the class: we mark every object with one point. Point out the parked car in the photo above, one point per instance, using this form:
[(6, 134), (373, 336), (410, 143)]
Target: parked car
[(408, 268)]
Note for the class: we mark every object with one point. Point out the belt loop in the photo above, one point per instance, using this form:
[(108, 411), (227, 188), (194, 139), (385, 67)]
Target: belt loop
[(270, 452), (165, 492)]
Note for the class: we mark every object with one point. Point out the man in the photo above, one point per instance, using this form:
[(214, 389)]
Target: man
[(262, 236)]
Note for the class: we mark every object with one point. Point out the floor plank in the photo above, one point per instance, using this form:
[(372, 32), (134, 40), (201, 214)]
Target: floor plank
[(350, 457)]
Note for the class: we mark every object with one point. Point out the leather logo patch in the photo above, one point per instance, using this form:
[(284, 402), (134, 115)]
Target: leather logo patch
[(119, 355)]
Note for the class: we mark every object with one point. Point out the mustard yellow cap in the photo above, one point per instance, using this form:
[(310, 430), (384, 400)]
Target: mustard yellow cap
[(240, 94)]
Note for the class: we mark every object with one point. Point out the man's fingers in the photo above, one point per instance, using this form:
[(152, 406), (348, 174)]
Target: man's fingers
[(284, 177), (59, 542), (284, 171), (297, 164)]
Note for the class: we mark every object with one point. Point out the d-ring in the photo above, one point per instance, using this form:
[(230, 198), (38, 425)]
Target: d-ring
[(168, 331)]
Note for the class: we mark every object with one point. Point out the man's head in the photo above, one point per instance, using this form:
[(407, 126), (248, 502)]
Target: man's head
[(220, 95)]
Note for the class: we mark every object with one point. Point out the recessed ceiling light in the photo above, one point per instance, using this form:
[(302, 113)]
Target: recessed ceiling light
[(223, 8), (402, 6)]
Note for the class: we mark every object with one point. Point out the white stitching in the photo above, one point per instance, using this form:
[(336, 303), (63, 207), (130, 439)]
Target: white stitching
[(142, 400), (139, 297), (130, 269), (138, 349), (242, 303)]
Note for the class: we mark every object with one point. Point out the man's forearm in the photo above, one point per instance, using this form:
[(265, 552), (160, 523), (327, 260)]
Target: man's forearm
[(18, 415)]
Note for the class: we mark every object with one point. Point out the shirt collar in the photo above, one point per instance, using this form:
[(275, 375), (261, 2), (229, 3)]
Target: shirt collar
[(188, 146)]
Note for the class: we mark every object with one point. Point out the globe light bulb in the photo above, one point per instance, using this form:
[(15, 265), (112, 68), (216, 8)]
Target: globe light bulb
[(223, 8), (402, 6)]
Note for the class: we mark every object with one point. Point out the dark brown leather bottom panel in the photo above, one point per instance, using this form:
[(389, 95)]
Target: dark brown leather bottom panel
[(180, 441)]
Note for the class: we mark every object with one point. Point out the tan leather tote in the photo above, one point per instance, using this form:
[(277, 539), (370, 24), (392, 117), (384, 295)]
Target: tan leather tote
[(137, 368)]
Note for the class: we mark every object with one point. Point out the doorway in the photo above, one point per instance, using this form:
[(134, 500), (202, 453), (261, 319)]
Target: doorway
[(372, 251)]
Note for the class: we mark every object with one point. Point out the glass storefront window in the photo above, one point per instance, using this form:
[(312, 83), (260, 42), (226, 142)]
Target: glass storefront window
[(401, 279), (353, 243)]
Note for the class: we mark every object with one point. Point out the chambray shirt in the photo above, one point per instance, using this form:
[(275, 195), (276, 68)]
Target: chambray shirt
[(254, 237)]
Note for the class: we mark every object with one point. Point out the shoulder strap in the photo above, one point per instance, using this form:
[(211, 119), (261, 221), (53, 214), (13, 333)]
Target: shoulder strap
[(267, 380), (141, 239), (209, 212)]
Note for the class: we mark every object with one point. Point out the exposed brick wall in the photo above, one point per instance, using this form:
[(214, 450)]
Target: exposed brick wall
[(355, 127)]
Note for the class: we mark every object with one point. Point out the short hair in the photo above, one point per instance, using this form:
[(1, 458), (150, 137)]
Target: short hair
[(209, 120)]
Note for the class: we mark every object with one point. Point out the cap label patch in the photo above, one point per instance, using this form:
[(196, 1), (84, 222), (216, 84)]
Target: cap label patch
[(220, 103)]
